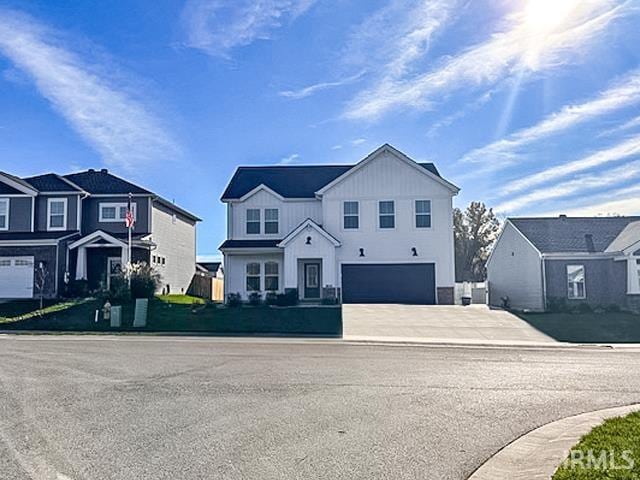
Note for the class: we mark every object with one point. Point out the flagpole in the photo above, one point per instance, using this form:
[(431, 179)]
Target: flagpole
[(129, 246)]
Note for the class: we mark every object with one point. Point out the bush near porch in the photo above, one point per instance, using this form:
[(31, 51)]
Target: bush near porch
[(181, 313)]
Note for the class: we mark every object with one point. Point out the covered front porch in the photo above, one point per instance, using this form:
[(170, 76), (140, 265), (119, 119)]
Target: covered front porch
[(98, 258)]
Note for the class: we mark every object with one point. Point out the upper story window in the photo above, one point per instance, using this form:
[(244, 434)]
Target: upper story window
[(115, 212), (271, 220), (575, 282), (253, 221), (423, 213), (4, 214), (253, 277), (56, 214), (271, 276), (351, 215), (387, 214)]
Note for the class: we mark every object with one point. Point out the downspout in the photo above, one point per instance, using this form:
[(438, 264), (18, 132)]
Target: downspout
[(544, 283)]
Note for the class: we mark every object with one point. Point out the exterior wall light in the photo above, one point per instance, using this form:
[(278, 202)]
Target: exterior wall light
[(414, 252), (362, 252), (308, 242)]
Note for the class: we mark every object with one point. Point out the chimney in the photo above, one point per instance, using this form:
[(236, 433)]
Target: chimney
[(104, 170), (91, 170), (588, 238), (562, 216)]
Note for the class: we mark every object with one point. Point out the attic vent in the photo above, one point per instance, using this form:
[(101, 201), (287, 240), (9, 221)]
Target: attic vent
[(588, 238), (104, 170)]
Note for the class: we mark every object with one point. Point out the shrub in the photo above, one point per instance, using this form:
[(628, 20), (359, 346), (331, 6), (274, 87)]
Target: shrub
[(557, 305), (270, 298), (329, 301), (287, 299), (78, 288), (234, 300), (145, 281), (255, 299), (584, 308)]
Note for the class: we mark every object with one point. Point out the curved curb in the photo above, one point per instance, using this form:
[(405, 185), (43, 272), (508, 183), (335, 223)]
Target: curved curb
[(537, 454)]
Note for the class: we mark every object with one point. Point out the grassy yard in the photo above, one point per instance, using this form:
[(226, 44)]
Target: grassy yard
[(181, 313), (615, 436), (587, 327)]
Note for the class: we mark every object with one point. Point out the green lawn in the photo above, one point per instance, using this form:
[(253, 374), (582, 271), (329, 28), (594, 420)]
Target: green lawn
[(587, 327), (615, 436), (175, 313)]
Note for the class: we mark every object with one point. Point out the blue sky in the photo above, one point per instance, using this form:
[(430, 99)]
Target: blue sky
[(530, 106)]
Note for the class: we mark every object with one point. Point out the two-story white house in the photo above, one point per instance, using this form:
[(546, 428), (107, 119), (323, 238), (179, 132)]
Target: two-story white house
[(379, 231)]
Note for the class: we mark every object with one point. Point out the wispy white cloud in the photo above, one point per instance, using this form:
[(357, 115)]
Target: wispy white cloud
[(358, 141), (116, 122), (336, 147), (628, 125), (317, 87), (289, 159), (572, 187), (218, 26), (624, 93), (625, 149), (527, 46), (627, 202)]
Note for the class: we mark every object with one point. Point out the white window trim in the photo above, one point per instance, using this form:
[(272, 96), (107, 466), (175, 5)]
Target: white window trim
[(395, 216), (7, 202), (415, 214), (258, 276), (344, 215), (268, 275), (64, 221), (246, 221), (117, 206), (264, 220), (584, 290)]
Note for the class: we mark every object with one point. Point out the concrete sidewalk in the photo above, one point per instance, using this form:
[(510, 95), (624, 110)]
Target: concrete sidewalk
[(537, 455), (473, 325)]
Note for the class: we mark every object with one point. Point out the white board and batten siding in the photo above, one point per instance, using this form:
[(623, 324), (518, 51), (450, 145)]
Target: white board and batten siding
[(175, 238), (388, 178), (291, 213), (515, 271)]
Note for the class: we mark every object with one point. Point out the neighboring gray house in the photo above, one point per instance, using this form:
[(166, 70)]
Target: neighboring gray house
[(74, 226), (538, 261), (379, 231)]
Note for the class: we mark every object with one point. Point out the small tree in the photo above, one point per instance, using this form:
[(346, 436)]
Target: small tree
[(40, 281), (475, 230)]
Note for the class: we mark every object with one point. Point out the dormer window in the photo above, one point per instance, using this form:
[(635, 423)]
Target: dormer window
[(56, 214), (253, 221), (4, 214)]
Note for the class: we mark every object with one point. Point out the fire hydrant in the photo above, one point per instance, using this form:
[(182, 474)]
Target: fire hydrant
[(106, 310)]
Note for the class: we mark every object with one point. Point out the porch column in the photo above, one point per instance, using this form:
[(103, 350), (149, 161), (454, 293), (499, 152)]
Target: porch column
[(290, 269), (124, 256), (633, 283), (81, 264)]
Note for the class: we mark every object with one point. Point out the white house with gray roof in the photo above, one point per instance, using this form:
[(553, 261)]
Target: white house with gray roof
[(379, 231), (538, 261), (74, 225)]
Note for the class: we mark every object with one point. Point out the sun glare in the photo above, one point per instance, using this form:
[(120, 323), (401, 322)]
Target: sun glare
[(544, 16)]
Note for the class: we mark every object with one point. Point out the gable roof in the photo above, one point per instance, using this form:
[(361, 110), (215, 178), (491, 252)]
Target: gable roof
[(572, 234), (7, 189), (292, 181), (309, 223), (101, 182), (50, 182), (627, 238), (15, 186)]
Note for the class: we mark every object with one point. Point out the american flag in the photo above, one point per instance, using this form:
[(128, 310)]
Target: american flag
[(129, 220)]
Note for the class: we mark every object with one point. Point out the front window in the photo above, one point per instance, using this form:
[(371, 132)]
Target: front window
[(423, 213), (351, 212), (57, 218), (4, 214), (271, 220), (575, 282), (253, 221), (253, 277), (271, 279), (115, 212), (387, 214)]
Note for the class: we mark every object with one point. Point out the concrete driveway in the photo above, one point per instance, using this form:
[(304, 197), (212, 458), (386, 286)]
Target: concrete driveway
[(475, 324)]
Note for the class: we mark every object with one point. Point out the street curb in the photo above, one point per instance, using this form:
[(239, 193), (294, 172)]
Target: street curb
[(536, 455)]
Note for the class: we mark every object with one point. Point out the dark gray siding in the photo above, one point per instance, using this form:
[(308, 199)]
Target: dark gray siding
[(45, 254), (41, 211), (605, 281), (90, 215), (20, 214)]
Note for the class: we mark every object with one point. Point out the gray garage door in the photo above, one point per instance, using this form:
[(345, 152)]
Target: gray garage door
[(389, 283)]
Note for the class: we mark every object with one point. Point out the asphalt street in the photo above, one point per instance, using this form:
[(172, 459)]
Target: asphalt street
[(82, 407)]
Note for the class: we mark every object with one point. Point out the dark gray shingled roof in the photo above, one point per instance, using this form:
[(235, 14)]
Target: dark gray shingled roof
[(101, 182), (9, 190), (50, 182), (292, 181), (36, 235), (250, 244), (572, 234)]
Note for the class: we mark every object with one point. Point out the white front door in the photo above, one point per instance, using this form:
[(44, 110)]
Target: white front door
[(16, 277), (114, 269)]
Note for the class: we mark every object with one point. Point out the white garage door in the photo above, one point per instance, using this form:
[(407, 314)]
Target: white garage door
[(16, 277)]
